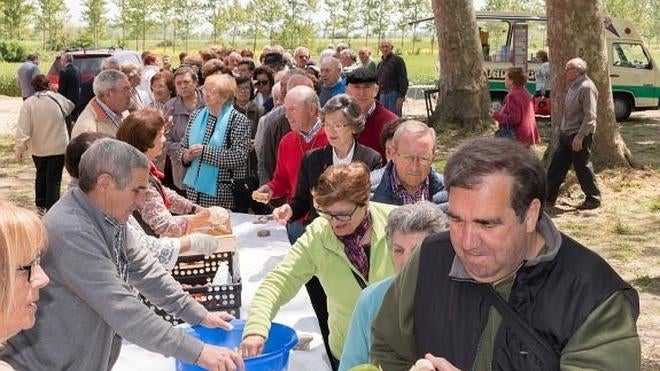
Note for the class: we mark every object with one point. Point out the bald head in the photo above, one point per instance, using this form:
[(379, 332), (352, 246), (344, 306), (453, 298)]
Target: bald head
[(301, 107), (299, 80)]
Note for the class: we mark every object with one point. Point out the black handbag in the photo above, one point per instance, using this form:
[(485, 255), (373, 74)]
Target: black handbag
[(506, 131), (242, 191)]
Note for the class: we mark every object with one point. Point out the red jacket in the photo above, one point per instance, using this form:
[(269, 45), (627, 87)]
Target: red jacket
[(519, 110), (289, 157), (373, 126)]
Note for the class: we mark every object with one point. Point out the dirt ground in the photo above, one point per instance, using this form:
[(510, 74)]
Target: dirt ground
[(625, 231)]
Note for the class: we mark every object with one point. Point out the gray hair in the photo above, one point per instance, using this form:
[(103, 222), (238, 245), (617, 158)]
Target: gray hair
[(333, 62), (420, 129), (110, 63), (326, 53), (131, 68), (423, 216), (349, 108), (307, 95), (109, 156), (349, 54), (106, 80), (578, 63), (299, 50), (66, 56)]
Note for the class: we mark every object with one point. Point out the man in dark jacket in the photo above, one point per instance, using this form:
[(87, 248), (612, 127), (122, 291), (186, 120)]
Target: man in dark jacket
[(504, 289), (408, 177), (69, 81)]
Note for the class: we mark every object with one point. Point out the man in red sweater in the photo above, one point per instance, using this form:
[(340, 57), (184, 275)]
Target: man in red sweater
[(301, 106), (362, 84)]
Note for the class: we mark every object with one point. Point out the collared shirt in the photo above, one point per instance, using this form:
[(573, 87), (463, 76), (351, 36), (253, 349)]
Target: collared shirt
[(370, 111), (114, 118), (580, 108), (346, 160), (422, 193), (308, 137), (119, 247)]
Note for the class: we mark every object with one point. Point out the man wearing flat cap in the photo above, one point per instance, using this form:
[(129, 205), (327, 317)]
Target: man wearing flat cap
[(362, 85), (275, 61)]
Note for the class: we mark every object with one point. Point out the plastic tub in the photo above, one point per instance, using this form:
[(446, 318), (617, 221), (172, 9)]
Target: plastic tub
[(281, 339)]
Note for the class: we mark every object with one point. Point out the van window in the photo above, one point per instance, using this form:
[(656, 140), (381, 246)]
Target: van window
[(494, 35), (537, 39), (629, 55)]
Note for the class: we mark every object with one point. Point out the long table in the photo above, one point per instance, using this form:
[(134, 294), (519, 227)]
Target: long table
[(257, 256)]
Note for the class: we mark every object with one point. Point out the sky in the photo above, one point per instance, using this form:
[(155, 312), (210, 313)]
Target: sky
[(75, 7)]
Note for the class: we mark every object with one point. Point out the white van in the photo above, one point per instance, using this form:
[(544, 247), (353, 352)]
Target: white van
[(634, 74)]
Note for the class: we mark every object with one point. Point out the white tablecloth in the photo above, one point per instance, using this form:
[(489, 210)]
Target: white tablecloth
[(258, 256)]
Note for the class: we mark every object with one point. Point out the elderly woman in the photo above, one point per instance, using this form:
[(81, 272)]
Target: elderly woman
[(216, 145), (407, 226), (166, 250), (144, 130), (264, 82), (518, 109), (346, 248), (343, 121), (189, 98), (41, 127), (162, 89), (22, 240), (139, 98)]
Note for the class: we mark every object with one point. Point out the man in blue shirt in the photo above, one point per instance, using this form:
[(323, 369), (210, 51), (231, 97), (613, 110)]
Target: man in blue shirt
[(407, 226), (330, 77)]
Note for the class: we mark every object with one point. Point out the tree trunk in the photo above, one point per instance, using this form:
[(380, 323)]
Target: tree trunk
[(575, 29), (463, 96)]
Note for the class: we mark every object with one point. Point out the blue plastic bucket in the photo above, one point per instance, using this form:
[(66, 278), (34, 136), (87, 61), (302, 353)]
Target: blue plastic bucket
[(281, 339)]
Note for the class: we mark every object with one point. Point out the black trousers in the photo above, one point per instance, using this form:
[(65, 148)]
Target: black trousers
[(48, 181), (562, 160)]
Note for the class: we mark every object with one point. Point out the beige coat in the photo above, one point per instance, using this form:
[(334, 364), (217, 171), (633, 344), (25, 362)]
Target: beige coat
[(94, 119), (41, 124)]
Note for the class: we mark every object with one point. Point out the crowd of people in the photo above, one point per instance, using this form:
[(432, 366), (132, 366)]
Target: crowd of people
[(401, 261)]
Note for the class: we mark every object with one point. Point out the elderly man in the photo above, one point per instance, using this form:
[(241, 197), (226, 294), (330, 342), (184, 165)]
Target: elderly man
[(26, 72), (301, 106), (348, 61), (69, 81), (331, 82), (87, 87), (362, 86), (365, 59), (392, 78), (408, 177), (407, 226), (504, 289), (105, 112), (167, 63), (301, 57), (90, 304), (577, 129)]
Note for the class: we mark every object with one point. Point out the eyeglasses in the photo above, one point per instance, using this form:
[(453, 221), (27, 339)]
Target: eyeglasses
[(31, 268), (335, 127), (261, 82), (409, 159), (346, 217)]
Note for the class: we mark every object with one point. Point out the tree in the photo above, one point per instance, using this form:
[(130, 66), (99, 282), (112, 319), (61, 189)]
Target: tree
[(412, 10), (532, 6), (50, 21), (15, 15), (463, 96), (186, 13), (575, 29), (269, 16), (93, 13), (334, 22)]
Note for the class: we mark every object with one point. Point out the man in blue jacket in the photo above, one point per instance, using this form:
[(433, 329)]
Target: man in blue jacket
[(408, 177)]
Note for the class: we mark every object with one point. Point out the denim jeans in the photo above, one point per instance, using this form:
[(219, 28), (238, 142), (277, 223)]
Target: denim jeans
[(388, 100)]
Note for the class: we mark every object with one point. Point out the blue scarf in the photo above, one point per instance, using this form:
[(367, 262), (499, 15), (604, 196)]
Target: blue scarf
[(201, 176)]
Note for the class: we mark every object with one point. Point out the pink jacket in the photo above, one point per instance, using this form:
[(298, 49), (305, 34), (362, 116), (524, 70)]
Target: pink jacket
[(519, 110)]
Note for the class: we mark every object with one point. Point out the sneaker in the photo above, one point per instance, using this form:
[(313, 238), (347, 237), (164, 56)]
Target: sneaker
[(588, 205)]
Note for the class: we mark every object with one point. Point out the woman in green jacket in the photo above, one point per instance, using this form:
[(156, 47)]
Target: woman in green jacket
[(345, 248)]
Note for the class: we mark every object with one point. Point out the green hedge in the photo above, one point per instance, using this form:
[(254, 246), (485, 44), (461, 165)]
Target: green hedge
[(11, 51), (9, 79)]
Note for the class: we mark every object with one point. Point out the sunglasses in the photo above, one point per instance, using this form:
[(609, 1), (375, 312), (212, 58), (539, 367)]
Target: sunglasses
[(261, 82), (31, 268)]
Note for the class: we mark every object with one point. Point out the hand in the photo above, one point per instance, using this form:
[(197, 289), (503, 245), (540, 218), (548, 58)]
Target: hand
[(252, 345), (218, 319), (191, 153), (399, 102), (263, 194), (440, 363), (220, 359), (18, 155), (282, 214), (577, 144), (203, 243)]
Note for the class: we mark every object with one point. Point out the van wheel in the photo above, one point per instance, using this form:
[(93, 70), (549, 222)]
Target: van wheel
[(622, 107)]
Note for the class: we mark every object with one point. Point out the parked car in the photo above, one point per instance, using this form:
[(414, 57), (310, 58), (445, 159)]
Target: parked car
[(89, 63)]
